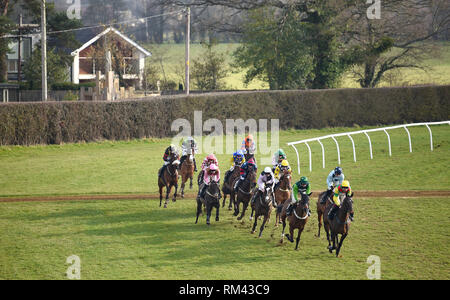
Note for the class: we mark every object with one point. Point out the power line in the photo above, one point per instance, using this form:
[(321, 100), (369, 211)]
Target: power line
[(98, 26)]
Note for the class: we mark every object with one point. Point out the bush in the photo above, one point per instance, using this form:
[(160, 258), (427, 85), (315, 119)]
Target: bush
[(56, 122)]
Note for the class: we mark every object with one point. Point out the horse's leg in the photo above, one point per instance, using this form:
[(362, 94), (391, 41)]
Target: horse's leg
[(290, 235), (244, 208), (175, 194), (183, 183), (298, 237), (237, 203), (199, 209), (340, 244), (217, 211), (160, 195), (253, 211), (232, 201), (190, 183), (254, 225), (224, 199), (319, 219), (283, 219), (266, 217), (168, 188), (208, 213), (333, 238)]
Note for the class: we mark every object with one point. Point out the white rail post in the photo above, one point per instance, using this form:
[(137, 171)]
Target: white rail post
[(431, 136), (354, 150), (370, 145), (323, 154), (409, 138), (298, 159), (389, 141), (310, 158), (338, 150)]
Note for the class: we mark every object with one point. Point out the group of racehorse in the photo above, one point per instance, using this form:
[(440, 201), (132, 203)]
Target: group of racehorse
[(279, 199)]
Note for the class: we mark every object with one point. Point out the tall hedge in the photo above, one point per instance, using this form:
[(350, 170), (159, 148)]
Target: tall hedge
[(57, 122)]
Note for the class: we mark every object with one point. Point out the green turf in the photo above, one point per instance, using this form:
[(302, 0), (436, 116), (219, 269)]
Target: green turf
[(131, 166), (138, 240), (135, 239)]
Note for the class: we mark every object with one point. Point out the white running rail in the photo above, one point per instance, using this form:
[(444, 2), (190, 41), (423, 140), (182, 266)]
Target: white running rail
[(349, 135)]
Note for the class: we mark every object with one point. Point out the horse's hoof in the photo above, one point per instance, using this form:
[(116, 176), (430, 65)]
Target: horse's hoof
[(239, 218), (174, 200), (252, 232), (217, 219)]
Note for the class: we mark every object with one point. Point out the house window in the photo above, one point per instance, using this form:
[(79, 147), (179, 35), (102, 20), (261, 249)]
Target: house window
[(12, 66)]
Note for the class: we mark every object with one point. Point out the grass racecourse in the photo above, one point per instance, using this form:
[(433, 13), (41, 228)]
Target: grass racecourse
[(136, 239)]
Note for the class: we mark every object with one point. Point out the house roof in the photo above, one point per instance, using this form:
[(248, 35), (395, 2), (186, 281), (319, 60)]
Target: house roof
[(87, 40)]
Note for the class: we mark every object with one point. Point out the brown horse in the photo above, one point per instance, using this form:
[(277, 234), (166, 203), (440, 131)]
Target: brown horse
[(263, 207), (227, 187), (168, 179), (297, 220), (187, 172), (339, 225), (245, 193), (321, 208), (282, 193)]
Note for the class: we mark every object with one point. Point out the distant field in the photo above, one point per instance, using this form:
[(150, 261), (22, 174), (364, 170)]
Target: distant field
[(173, 59)]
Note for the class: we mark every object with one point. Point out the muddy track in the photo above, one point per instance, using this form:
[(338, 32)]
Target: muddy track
[(359, 194)]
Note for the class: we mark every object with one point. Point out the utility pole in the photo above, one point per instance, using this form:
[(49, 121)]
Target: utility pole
[(19, 65), (44, 51), (187, 54)]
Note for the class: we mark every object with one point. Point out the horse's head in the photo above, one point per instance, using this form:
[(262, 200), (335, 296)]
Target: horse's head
[(347, 204), (304, 202)]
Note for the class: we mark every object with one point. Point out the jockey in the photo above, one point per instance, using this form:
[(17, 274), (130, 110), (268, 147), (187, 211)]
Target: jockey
[(248, 146), (212, 172), (209, 160), (340, 192), (236, 160), (169, 154), (188, 147), (335, 178), (278, 157), (265, 180), (301, 186), (284, 166), (244, 172)]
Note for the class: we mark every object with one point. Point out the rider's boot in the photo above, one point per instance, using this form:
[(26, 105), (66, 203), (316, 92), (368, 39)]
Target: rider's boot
[(289, 209)]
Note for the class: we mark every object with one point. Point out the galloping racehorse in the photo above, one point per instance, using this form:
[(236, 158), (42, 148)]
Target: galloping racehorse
[(263, 207), (187, 172), (297, 220), (245, 192), (210, 200), (339, 225), (321, 208), (227, 187), (168, 179), (282, 193)]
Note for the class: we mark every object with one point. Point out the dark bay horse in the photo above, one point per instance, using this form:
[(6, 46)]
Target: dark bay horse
[(339, 225), (321, 208), (245, 193), (263, 207), (297, 220), (227, 187), (187, 172), (282, 193), (169, 179), (210, 200)]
